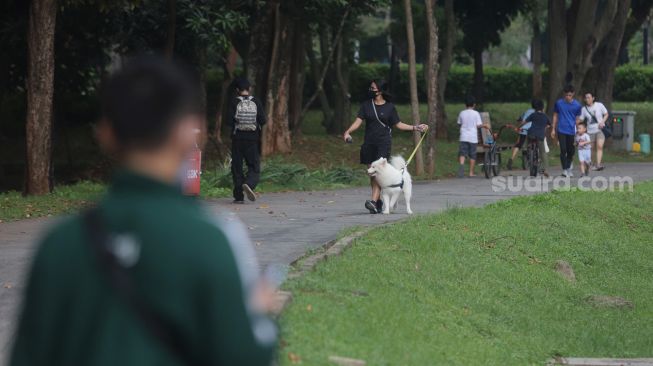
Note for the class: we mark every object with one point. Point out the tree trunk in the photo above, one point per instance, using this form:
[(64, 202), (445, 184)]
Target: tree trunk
[(446, 58), (583, 33), (228, 68), (172, 20), (606, 60), (327, 112), (536, 58), (557, 53), (431, 71), (297, 76), (319, 77), (412, 75), (639, 14), (342, 97), (40, 88), (586, 35), (479, 85), (260, 48), (276, 133)]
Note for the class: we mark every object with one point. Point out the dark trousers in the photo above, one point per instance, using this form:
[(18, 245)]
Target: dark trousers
[(567, 149), (248, 151)]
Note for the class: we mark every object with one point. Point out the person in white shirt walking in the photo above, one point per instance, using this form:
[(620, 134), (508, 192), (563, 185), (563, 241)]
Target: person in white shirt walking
[(584, 144), (595, 116), (469, 120)]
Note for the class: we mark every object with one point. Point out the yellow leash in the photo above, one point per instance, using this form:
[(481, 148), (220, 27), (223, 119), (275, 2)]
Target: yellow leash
[(416, 147)]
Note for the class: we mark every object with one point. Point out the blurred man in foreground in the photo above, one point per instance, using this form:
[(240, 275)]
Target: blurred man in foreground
[(146, 277)]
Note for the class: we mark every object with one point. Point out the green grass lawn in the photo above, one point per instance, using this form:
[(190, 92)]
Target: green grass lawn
[(64, 199), (476, 286)]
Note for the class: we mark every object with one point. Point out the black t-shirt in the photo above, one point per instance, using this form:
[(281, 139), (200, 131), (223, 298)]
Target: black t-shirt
[(539, 121), (375, 132)]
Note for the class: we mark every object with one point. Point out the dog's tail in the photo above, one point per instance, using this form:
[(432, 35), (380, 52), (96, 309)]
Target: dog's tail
[(398, 162)]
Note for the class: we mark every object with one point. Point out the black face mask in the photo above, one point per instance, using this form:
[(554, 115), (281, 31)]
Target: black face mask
[(372, 94)]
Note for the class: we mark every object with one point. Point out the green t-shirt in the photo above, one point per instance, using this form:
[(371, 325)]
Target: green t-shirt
[(192, 269)]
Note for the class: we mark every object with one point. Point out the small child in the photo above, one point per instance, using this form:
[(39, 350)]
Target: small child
[(584, 144)]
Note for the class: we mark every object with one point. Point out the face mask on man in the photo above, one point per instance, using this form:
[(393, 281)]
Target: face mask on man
[(372, 93)]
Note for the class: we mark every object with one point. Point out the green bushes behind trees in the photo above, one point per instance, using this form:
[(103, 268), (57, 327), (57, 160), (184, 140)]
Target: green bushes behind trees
[(632, 83)]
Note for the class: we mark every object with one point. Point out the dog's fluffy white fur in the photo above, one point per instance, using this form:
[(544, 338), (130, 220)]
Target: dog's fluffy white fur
[(389, 174)]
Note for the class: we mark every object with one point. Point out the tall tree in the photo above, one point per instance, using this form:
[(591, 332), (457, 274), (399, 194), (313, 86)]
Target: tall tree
[(582, 27), (482, 23), (40, 88), (534, 12), (445, 61), (276, 133), (600, 78), (412, 77), (431, 73)]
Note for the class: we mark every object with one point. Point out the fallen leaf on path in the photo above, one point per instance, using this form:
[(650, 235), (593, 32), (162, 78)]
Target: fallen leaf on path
[(264, 206), (7, 285)]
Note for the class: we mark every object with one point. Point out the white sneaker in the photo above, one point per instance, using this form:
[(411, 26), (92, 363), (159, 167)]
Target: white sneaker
[(570, 173), (565, 173)]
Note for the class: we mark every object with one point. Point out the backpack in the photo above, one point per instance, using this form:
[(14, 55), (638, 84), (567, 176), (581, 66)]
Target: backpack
[(245, 119)]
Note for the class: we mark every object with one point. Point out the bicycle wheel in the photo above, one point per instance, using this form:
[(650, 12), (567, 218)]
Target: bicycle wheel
[(496, 165), (487, 163), (532, 160)]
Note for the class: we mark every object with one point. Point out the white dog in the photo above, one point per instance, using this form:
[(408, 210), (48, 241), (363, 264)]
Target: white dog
[(393, 179)]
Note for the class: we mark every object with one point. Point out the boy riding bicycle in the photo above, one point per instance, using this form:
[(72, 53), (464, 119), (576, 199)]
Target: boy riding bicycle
[(523, 132), (536, 133)]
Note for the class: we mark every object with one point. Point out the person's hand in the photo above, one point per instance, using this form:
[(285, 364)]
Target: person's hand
[(422, 127), (553, 134), (264, 299), (601, 125), (346, 136)]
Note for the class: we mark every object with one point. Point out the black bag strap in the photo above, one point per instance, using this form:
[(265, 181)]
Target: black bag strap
[(594, 119), (122, 283), (377, 116)]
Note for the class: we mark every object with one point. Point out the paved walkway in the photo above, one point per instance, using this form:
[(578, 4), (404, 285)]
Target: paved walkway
[(282, 225)]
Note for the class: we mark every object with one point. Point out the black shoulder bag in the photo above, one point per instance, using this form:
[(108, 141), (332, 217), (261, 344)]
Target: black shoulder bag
[(121, 282)]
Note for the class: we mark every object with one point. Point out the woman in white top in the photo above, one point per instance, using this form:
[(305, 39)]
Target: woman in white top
[(595, 115)]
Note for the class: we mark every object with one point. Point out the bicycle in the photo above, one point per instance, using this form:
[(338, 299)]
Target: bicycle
[(533, 156), (492, 152)]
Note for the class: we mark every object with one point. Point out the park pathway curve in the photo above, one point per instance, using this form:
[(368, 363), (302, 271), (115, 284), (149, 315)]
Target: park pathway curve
[(282, 225)]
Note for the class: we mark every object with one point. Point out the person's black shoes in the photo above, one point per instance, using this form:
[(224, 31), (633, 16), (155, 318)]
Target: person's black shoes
[(238, 202), (379, 206), (509, 165), (371, 206), (249, 192)]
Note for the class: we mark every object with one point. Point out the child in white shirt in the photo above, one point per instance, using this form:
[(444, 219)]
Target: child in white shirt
[(469, 121), (584, 143)]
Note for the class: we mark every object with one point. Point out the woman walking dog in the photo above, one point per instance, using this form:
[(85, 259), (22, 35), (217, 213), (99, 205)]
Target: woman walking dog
[(380, 115)]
